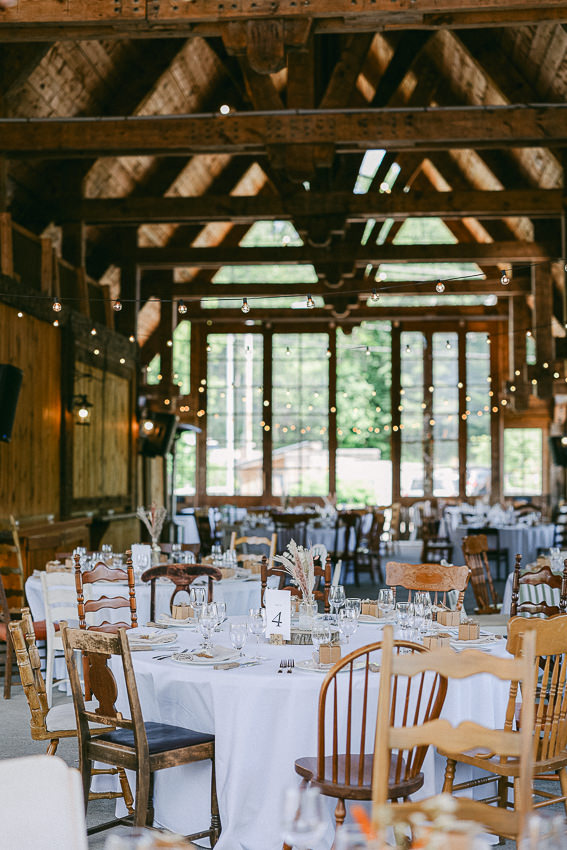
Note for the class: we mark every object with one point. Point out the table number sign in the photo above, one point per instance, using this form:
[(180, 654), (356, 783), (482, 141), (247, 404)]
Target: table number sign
[(278, 613)]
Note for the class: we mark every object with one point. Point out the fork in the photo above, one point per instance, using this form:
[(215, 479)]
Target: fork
[(290, 665), (283, 665)]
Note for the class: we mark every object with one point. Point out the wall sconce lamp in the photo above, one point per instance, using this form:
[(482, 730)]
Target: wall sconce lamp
[(82, 409)]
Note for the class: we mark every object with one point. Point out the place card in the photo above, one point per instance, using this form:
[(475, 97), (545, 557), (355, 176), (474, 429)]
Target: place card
[(278, 613)]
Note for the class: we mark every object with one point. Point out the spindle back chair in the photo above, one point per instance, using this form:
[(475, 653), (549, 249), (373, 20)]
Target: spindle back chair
[(103, 573), (540, 578), (182, 576), (475, 552), (431, 578), (245, 555)]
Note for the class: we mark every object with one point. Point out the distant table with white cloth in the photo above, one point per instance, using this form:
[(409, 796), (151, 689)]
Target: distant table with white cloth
[(518, 538)]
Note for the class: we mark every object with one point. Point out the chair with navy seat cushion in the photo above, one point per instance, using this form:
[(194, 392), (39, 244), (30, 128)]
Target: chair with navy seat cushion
[(129, 743)]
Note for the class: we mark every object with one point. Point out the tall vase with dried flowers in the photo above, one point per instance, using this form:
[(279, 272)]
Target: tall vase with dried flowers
[(298, 563), (153, 518)]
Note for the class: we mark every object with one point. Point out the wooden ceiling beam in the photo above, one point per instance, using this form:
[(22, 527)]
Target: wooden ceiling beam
[(324, 315), (490, 252), (350, 130), (76, 19), (536, 203)]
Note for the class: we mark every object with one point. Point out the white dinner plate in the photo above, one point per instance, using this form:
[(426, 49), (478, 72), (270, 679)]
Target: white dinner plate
[(193, 660), (312, 666), (171, 623)]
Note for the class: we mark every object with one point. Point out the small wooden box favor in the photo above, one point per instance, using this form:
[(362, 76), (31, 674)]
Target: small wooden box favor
[(181, 612), (437, 641), (469, 631), (369, 607), (329, 653), (449, 618)]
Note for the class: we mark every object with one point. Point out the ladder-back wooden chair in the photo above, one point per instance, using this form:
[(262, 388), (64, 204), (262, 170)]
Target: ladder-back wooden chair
[(434, 548), (544, 583), (368, 552), (432, 578), (8, 615), (347, 540), (167, 548), (182, 576), (52, 724), (94, 604), (323, 572), (243, 543), (500, 747), (129, 743), (343, 765), (475, 549)]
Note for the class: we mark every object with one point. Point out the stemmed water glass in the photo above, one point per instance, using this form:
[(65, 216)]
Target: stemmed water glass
[(386, 601), (337, 598), (303, 817), (348, 622), (221, 613), (197, 597), (422, 610), (257, 627), (404, 611), (238, 633), (320, 634), (207, 622)]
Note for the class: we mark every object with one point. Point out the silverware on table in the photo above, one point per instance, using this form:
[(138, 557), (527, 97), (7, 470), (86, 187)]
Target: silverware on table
[(290, 665)]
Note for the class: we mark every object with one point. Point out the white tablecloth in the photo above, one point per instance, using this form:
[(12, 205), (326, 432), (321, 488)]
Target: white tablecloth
[(262, 722), (239, 596), (523, 539)]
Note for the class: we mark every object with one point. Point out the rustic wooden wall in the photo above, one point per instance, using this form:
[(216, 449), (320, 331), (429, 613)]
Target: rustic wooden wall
[(100, 449), (29, 464)]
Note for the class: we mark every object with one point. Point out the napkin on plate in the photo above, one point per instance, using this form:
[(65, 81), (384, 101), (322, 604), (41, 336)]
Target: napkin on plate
[(217, 653), (153, 637), (172, 621)]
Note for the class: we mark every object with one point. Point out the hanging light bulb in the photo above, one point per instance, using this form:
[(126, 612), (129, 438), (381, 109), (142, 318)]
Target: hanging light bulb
[(367, 352), (287, 351), (328, 352), (504, 279), (245, 306), (448, 345), (56, 306), (208, 347), (374, 297), (181, 308), (310, 302), (440, 286), (408, 349), (117, 306)]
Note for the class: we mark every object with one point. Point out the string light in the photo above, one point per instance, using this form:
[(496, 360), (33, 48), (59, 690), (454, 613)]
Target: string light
[(132, 338), (117, 306), (56, 323), (310, 302), (448, 345), (245, 306), (329, 352), (374, 297), (181, 308), (504, 279), (56, 306), (20, 315), (408, 349), (440, 286), (224, 109), (367, 352), (93, 331), (287, 351), (208, 347), (169, 343)]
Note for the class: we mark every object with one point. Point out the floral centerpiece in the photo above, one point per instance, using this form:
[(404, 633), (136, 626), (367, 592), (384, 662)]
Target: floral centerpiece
[(298, 564), (153, 518)]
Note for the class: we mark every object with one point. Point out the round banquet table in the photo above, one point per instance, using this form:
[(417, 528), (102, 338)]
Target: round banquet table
[(240, 595), (525, 539), (263, 721)]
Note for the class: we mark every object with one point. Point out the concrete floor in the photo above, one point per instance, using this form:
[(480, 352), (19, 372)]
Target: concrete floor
[(15, 737)]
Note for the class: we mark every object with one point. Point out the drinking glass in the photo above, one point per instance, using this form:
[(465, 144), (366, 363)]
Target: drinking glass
[(555, 558), (404, 610), (348, 622), (197, 597), (257, 627), (207, 622), (238, 633), (386, 601), (336, 598), (221, 613), (544, 833), (303, 817), (355, 605), (320, 633)]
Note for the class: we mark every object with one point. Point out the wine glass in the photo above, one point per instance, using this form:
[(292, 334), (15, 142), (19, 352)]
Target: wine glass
[(238, 633), (207, 622), (336, 598), (221, 612), (197, 597), (257, 627), (386, 601), (348, 623), (303, 817), (354, 604)]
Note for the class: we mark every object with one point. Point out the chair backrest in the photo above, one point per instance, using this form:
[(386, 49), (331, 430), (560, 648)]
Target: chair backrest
[(103, 573), (348, 524), (321, 571), (372, 540), (475, 548), (433, 578), (266, 542), (96, 649), (42, 804), (12, 569), (29, 665), (538, 578), (5, 615), (347, 729), (59, 598), (182, 576), (505, 743), (167, 548)]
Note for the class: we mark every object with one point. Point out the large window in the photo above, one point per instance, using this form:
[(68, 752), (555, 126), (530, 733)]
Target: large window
[(300, 416), (479, 402), (523, 461), (364, 377), (234, 413)]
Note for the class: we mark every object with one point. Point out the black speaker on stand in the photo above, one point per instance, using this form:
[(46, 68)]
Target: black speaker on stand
[(10, 384)]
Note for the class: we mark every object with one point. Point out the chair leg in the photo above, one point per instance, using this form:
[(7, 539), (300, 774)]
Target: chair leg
[(52, 748), (215, 817), (340, 812), (449, 776), (8, 669), (85, 766), (142, 796), (126, 790), (563, 782)]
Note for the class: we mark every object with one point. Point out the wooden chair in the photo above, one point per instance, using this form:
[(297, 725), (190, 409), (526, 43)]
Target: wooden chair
[(130, 743), (475, 550), (560, 529), (102, 573), (432, 578), (495, 553), (434, 548), (242, 557), (538, 578), (167, 548), (505, 749), (60, 602), (321, 572), (52, 724), (6, 617), (343, 766), (292, 525), (182, 576), (347, 528), (368, 551)]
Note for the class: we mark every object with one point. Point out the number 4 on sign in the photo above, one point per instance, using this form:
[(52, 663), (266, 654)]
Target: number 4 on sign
[(278, 613)]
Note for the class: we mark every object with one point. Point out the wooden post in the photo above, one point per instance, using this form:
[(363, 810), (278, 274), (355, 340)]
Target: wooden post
[(519, 320), (395, 436), (127, 319), (542, 290), (462, 430), (428, 429), (166, 334), (267, 415), (333, 413), (46, 265), (198, 401), (6, 252), (497, 349)]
